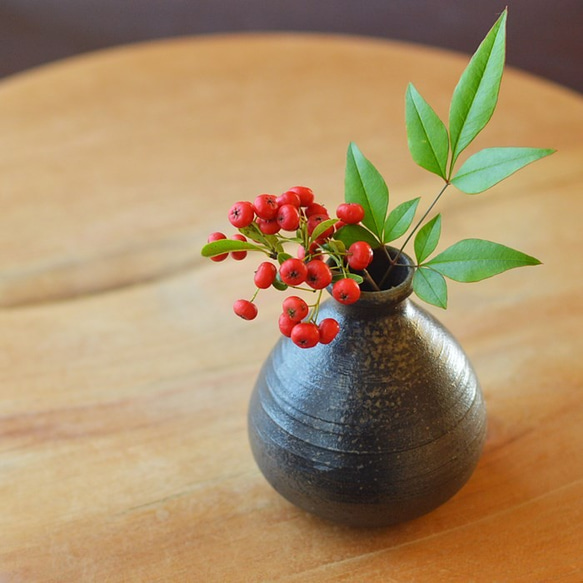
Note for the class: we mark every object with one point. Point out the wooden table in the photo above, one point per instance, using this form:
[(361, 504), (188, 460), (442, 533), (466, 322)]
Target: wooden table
[(125, 377)]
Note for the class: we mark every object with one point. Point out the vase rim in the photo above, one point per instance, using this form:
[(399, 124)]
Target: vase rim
[(390, 297), (397, 293)]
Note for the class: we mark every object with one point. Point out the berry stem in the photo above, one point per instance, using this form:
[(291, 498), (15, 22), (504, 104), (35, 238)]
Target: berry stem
[(300, 288), (316, 310)]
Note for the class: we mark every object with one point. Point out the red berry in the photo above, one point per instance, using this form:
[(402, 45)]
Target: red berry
[(306, 195), (217, 237), (286, 325), (316, 209), (295, 308), (360, 255), (288, 217), (289, 197), (339, 224), (245, 309), (238, 255), (319, 274), (314, 221), (265, 275), (266, 206), (268, 226), (315, 248), (350, 212), (346, 291), (241, 214), (314, 251), (305, 335), (328, 329), (293, 271)]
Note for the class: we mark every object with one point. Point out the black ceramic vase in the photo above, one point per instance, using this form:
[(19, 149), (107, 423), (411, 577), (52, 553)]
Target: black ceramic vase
[(382, 425)]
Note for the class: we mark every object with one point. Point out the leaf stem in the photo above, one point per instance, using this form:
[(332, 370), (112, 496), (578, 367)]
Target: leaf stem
[(368, 278), (384, 248), (422, 219), (411, 233)]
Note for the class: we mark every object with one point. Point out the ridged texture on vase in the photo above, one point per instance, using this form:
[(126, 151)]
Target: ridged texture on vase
[(381, 426)]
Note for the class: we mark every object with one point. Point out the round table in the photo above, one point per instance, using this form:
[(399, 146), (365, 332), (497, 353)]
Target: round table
[(123, 450)]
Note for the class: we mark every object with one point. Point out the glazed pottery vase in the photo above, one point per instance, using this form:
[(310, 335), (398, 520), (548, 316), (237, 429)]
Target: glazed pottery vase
[(382, 425)]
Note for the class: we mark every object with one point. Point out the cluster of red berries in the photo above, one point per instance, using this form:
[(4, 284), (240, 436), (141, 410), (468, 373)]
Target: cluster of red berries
[(307, 224)]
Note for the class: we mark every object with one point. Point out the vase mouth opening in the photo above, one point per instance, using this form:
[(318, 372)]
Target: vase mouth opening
[(394, 280)]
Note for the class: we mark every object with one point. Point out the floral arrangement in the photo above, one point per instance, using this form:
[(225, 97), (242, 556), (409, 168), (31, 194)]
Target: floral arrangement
[(337, 252)]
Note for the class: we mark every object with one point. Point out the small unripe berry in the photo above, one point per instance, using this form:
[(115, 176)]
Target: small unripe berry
[(217, 237), (346, 291), (295, 308), (245, 309), (293, 271), (350, 212), (360, 255), (265, 275), (238, 255), (288, 217), (265, 206), (306, 195), (328, 329), (305, 335), (319, 274), (241, 214)]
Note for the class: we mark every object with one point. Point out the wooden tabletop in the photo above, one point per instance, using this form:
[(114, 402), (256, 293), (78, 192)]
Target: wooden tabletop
[(125, 376)]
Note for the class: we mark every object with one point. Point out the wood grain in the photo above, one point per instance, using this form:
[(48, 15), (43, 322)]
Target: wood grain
[(125, 378)]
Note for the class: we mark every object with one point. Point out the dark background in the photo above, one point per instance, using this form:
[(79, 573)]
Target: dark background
[(544, 36)]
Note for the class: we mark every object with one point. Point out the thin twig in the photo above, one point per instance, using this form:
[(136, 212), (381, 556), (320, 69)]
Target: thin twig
[(368, 278)]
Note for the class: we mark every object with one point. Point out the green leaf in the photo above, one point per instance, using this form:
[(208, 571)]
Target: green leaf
[(273, 242), (426, 134), (476, 94), (400, 219), (364, 185), (252, 232), (281, 257), (357, 278), (323, 226), (226, 246), (278, 284), (475, 259), (349, 234), (488, 167), (427, 238), (335, 247), (430, 286)]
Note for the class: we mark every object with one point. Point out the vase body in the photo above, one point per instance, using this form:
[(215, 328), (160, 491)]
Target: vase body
[(381, 426)]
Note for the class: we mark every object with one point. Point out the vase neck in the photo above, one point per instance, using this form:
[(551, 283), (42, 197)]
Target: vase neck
[(397, 287)]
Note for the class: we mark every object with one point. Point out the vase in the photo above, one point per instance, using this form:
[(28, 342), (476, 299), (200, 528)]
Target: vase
[(380, 426)]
